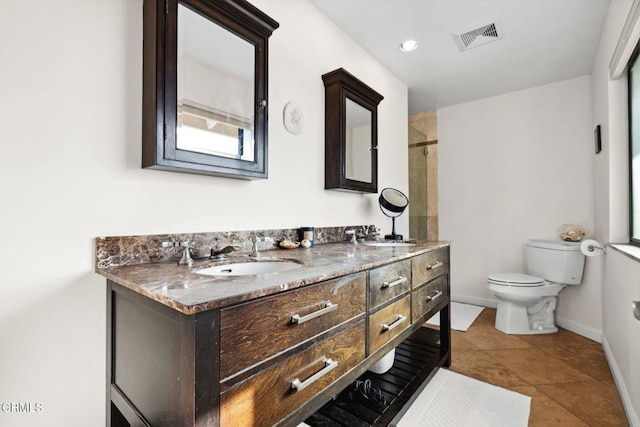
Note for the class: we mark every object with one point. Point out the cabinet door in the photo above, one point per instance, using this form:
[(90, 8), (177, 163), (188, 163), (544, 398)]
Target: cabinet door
[(388, 282), (351, 133), (388, 323), (428, 296), (257, 330), (276, 392), (429, 265)]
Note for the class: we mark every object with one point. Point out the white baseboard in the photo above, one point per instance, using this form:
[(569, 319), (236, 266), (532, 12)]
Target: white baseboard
[(632, 416), (484, 302), (580, 329)]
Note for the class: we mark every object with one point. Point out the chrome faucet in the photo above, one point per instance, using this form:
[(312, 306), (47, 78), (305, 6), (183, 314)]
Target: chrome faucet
[(254, 246), (353, 236), (370, 232), (220, 253), (186, 252)]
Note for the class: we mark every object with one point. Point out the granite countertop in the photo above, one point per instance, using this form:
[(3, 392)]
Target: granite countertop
[(184, 290)]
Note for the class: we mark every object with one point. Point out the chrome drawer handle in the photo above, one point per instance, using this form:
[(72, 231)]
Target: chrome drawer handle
[(329, 365), (435, 265), (400, 280), (328, 307), (395, 324), (635, 306), (436, 295)]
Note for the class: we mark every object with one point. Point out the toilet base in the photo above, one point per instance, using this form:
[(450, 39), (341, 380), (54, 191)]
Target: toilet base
[(517, 319)]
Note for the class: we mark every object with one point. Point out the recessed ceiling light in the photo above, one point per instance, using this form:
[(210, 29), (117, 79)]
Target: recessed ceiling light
[(408, 45)]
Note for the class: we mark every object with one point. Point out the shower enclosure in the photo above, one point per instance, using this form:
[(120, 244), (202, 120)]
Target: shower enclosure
[(423, 177)]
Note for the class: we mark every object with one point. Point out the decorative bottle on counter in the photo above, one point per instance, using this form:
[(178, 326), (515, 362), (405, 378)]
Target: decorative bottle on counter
[(306, 233)]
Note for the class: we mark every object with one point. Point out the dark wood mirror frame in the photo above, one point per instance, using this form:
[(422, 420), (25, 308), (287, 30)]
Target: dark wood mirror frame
[(340, 85), (160, 31)]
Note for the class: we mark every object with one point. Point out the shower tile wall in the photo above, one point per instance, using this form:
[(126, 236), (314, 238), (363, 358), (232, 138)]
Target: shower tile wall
[(423, 176)]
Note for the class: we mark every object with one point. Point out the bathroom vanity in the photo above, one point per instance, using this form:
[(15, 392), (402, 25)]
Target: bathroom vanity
[(188, 349)]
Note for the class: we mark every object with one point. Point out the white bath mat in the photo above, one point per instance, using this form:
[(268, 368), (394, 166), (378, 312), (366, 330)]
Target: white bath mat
[(452, 400), (462, 316)]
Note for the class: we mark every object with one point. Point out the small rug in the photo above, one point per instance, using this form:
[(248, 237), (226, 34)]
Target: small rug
[(462, 316), (452, 400)]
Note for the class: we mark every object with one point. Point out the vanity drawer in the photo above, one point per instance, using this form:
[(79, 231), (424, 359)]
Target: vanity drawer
[(388, 282), (252, 332), (388, 323), (429, 265), (268, 397), (428, 296)]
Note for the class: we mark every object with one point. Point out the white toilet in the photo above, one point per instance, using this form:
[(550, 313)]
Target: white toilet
[(527, 302)]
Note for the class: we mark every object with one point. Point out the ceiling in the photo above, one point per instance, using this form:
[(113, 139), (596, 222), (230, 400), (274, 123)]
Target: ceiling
[(543, 41)]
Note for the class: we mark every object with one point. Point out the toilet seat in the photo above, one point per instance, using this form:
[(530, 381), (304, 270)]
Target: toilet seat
[(515, 279)]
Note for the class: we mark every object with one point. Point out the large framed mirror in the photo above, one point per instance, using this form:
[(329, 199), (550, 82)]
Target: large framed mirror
[(205, 81), (351, 133)]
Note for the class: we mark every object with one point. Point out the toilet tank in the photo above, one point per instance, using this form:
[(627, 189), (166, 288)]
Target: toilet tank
[(555, 261)]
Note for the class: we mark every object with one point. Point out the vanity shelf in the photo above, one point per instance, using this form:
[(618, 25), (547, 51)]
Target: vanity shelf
[(416, 360)]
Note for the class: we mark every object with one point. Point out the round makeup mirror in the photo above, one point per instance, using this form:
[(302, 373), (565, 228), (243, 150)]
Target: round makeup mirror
[(393, 203)]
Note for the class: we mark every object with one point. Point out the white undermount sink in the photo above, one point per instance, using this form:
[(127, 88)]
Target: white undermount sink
[(390, 244), (250, 268)]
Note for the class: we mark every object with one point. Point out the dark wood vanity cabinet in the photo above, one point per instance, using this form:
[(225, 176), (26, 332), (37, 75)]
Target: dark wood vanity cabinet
[(269, 397), (256, 331), (389, 282), (427, 266), (250, 364), (401, 299), (275, 360), (388, 323), (431, 282), (162, 365)]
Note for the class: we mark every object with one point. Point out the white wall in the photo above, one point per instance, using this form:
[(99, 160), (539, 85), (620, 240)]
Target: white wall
[(621, 332), (70, 123), (511, 168), (620, 276)]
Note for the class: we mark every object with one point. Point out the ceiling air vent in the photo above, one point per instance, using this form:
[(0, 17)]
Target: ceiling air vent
[(477, 35)]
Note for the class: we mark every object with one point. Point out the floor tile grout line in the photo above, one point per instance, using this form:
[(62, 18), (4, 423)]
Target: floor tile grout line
[(563, 406), (576, 366)]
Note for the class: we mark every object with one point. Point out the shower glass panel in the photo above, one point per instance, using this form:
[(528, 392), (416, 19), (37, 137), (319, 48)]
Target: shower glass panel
[(418, 184)]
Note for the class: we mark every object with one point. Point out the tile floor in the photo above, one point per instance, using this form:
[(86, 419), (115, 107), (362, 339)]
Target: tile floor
[(566, 375)]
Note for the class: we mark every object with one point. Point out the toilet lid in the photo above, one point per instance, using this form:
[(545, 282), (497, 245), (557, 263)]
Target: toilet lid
[(515, 279)]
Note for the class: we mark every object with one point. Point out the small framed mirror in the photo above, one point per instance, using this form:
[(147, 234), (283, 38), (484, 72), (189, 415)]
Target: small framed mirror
[(205, 87), (351, 133)]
